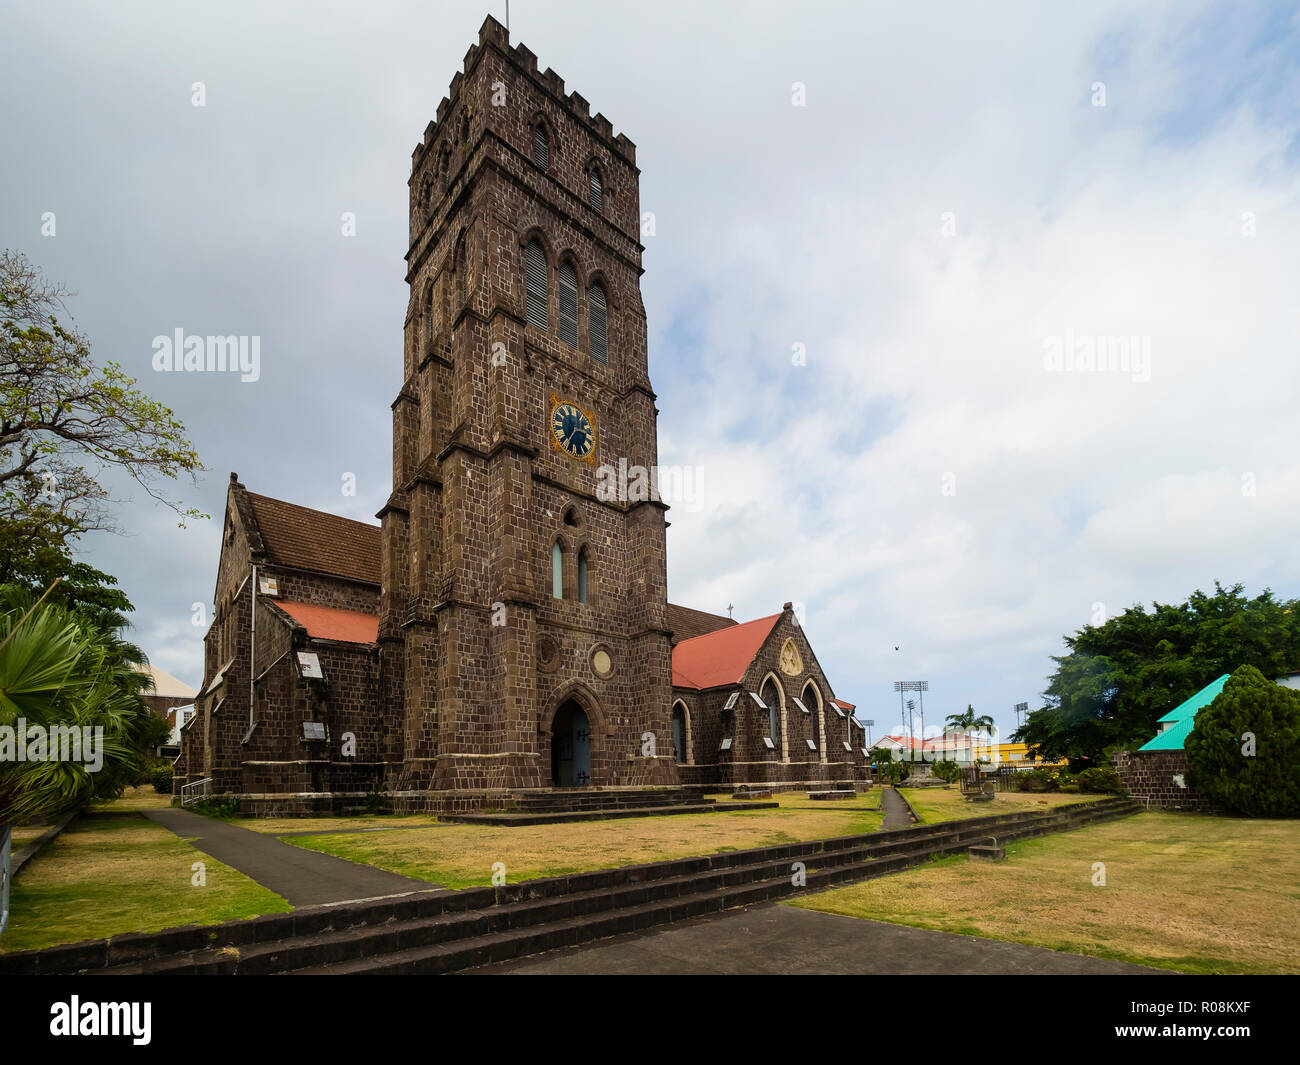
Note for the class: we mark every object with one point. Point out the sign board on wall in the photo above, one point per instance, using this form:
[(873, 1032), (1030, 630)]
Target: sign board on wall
[(309, 665)]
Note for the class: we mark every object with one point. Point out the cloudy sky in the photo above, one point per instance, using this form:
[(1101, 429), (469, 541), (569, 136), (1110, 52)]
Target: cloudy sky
[(970, 200)]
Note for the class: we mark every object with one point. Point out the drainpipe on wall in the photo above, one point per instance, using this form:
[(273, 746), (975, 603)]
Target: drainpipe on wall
[(252, 652)]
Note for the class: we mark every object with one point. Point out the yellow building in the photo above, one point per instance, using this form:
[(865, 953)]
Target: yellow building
[(1019, 754)]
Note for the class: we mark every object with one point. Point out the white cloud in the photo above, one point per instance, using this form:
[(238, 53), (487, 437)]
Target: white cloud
[(776, 225)]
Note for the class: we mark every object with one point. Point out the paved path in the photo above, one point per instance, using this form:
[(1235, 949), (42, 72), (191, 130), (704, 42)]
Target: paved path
[(302, 877), (781, 940), (897, 815)]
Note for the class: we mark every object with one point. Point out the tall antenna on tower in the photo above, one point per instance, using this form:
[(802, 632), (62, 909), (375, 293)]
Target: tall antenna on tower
[(507, 16)]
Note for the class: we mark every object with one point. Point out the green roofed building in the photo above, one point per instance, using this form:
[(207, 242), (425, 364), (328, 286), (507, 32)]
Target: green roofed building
[(1176, 725)]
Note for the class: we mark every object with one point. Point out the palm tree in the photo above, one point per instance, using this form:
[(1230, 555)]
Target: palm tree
[(57, 668), (966, 722)]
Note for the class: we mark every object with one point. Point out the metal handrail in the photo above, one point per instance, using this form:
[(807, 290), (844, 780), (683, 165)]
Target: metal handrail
[(188, 793)]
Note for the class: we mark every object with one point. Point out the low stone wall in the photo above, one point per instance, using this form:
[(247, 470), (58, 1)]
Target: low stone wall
[(1158, 780)]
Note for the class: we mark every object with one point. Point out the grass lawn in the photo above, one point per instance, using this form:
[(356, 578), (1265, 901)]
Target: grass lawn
[(143, 798), (21, 835), (462, 855), (948, 804), (1189, 892), (107, 875)]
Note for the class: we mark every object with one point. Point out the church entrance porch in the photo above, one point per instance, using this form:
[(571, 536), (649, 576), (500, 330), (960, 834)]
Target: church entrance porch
[(570, 747)]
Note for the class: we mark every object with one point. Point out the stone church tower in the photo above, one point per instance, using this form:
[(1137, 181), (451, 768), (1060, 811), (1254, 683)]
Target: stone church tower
[(523, 632)]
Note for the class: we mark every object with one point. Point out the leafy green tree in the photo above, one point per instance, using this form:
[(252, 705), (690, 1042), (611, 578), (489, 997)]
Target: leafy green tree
[(1119, 677), (35, 555), (886, 765), (1244, 749), (64, 418)]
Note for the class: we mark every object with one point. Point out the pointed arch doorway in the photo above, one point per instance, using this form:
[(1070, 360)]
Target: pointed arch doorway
[(570, 747)]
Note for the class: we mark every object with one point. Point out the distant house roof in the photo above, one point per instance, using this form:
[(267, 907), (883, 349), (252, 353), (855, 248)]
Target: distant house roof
[(165, 684), (1179, 721), (687, 623), (316, 540), (720, 657), (932, 743), (330, 623), (843, 705)]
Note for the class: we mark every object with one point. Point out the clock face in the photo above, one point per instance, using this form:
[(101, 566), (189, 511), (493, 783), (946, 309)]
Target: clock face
[(573, 432)]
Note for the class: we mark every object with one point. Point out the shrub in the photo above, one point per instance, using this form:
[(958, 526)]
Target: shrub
[(222, 807), (161, 779), (946, 770), (1102, 779), (1244, 749), (893, 772), (1037, 780)]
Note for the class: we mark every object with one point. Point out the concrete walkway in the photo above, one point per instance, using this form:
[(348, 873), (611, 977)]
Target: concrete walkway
[(897, 815), (302, 877), (783, 940)]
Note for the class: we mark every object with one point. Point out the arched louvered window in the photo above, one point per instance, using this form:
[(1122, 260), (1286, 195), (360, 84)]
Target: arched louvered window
[(812, 698), (772, 698), (568, 305), (597, 189), (428, 315), (541, 146), (535, 283), (582, 575), (598, 324), (557, 571)]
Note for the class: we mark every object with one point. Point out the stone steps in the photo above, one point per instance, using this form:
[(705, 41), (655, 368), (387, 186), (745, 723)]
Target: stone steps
[(572, 800), (552, 807), (559, 817), (726, 889), (441, 931)]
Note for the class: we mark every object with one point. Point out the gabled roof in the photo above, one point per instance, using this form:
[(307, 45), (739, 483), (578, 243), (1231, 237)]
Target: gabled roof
[(1183, 717), (330, 623), (720, 657), (164, 684), (316, 540), (1188, 707), (1173, 738), (687, 623)]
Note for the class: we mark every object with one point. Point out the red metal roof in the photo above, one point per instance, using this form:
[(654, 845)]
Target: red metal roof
[(720, 657), (330, 623), (843, 705)]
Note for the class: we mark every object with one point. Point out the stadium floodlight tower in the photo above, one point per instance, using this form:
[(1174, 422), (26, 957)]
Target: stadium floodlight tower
[(901, 686)]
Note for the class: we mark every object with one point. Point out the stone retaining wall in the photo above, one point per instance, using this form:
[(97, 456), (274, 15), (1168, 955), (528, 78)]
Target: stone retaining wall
[(1158, 780)]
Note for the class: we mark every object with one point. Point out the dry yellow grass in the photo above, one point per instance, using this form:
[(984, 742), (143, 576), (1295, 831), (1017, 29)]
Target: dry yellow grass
[(463, 855), (143, 798), (105, 876), (1187, 892), (948, 804), (22, 835)]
